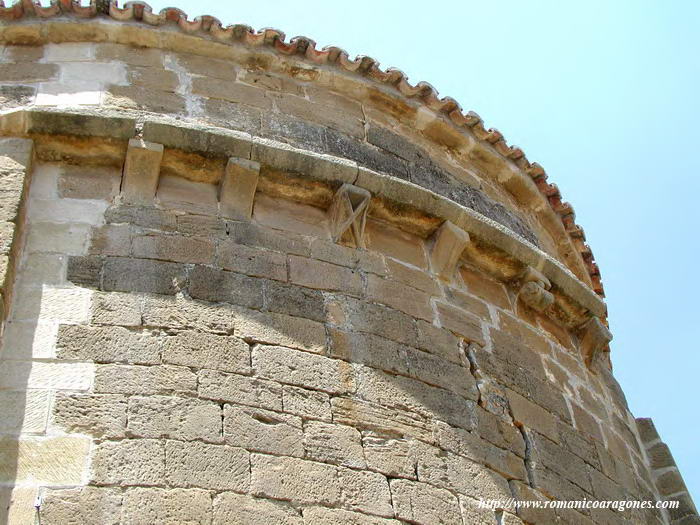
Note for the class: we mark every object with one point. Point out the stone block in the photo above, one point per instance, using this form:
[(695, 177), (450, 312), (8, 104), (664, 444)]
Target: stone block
[(21, 375), (128, 462), (333, 443), (251, 261), (472, 446), (261, 430), (527, 413), (397, 244), (389, 454), (111, 239), (123, 274), (107, 344), (174, 248), (143, 216), (217, 467), (28, 72), (239, 389), (253, 235), (413, 277), (181, 313), (81, 506), (373, 416), (231, 92), (210, 284), (409, 394), (23, 411), (29, 339), (294, 300), (172, 417), (131, 379), (202, 350), (377, 319), (153, 78), (458, 474), (238, 509), (146, 506), (101, 416), (344, 121), (460, 322), (324, 276), (365, 492), (295, 480), (140, 56), (116, 309), (141, 171), (438, 341), (140, 98), (303, 369), (468, 303), (423, 503), (85, 271), (46, 461), (47, 237), (237, 188), (15, 96), (279, 329), (77, 182), (400, 297), (308, 404)]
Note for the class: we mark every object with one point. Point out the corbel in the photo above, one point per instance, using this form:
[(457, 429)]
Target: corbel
[(534, 290), (141, 171), (595, 337), (448, 244), (348, 213), (237, 188)]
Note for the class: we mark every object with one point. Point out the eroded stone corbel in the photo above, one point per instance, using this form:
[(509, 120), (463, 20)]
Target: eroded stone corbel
[(449, 243), (141, 171), (595, 337), (534, 291), (237, 188), (348, 213)]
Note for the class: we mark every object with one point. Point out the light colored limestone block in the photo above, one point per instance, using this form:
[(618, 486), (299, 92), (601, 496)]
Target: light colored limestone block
[(141, 171), (237, 188)]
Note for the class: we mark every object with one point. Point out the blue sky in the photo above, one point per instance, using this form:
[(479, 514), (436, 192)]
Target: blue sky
[(605, 96)]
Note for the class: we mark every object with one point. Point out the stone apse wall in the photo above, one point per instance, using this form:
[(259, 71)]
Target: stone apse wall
[(247, 282)]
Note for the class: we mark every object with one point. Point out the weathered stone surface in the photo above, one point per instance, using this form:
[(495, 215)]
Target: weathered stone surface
[(403, 298), (127, 379), (196, 464), (261, 430), (293, 479), (392, 456), (251, 261), (294, 300), (365, 492), (210, 284), (102, 416), (172, 417), (279, 329), (239, 389), (141, 171), (142, 275), (527, 413), (24, 411), (309, 404), (423, 503), (302, 369), (110, 344), (145, 506), (237, 509), (202, 350), (175, 248), (333, 443), (128, 462), (324, 276), (81, 506)]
